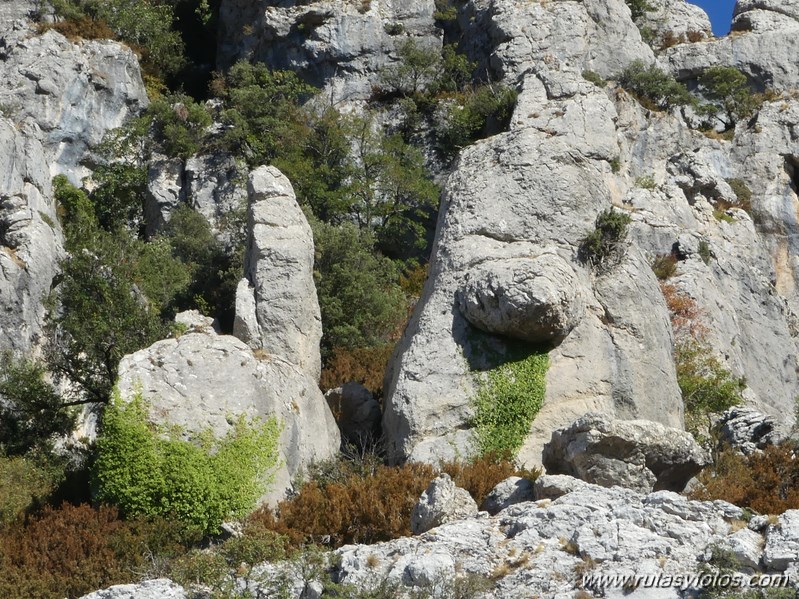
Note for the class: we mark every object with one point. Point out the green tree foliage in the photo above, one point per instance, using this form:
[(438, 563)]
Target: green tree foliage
[(32, 413), (707, 387), (638, 8), (603, 243), (25, 484), (180, 123), (654, 88), (349, 273), (150, 472), (146, 25), (475, 114), (112, 295), (729, 88), (416, 70)]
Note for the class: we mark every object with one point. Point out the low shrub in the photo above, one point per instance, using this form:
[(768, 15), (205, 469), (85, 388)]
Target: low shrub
[(25, 484), (664, 266), (654, 89), (766, 482), (595, 78), (638, 8), (154, 473), (603, 243), (507, 400), (742, 193), (365, 365), (476, 114), (480, 475)]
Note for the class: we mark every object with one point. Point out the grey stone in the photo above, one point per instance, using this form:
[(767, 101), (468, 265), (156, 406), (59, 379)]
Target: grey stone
[(202, 380), (164, 193), (442, 502), (216, 187), (339, 46), (508, 492), (636, 454), (537, 300), (357, 413), (782, 542), (160, 588), (746, 430), (279, 267), (676, 22), (552, 486)]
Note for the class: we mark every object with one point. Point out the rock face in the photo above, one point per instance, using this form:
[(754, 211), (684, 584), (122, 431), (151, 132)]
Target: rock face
[(635, 454), (201, 380), (164, 193), (340, 45), (279, 272), (30, 236), (75, 92), (509, 492), (442, 502)]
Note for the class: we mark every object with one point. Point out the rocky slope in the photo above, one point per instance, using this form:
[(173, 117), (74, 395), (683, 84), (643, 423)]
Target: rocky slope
[(573, 150), (610, 542)]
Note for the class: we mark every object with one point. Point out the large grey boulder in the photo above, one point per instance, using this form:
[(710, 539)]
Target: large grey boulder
[(338, 45), (202, 380), (31, 242), (782, 542), (536, 299), (442, 502), (636, 454), (278, 267), (216, 187)]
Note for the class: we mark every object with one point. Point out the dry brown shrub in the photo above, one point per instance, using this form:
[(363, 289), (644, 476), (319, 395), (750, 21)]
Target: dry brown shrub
[(696, 36), (483, 474), (363, 365), (671, 39), (360, 510), (766, 482), (83, 28), (686, 316)]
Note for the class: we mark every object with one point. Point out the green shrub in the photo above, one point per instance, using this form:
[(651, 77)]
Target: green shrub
[(646, 182), (416, 69), (180, 123), (638, 8), (730, 88), (26, 482), (603, 243), (594, 78), (742, 193), (707, 387), (474, 115), (664, 266), (507, 400), (705, 252), (654, 88), (150, 472), (350, 273), (32, 413)]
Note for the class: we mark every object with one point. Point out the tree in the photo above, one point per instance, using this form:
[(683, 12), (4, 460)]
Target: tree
[(417, 68), (730, 88), (654, 88)]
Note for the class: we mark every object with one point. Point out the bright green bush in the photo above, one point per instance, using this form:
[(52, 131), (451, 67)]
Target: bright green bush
[(508, 398), (150, 472), (180, 123), (654, 88), (603, 243)]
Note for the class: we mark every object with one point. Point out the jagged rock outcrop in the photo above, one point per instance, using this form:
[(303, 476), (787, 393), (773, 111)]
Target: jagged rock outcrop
[(30, 235), (533, 191), (442, 502), (672, 22), (201, 380), (636, 454), (342, 46), (165, 178), (75, 92), (276, 308), (763, 46), (746, 430), (216, 187)]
